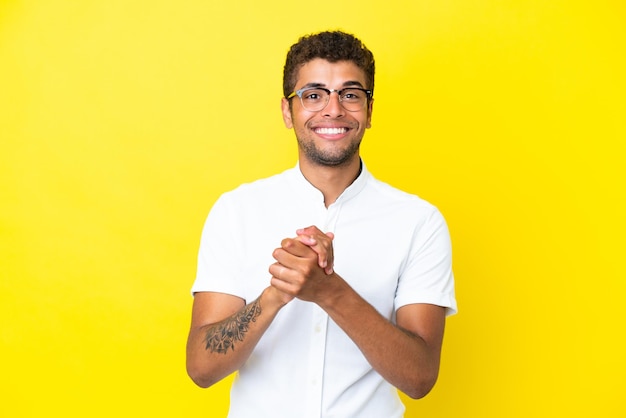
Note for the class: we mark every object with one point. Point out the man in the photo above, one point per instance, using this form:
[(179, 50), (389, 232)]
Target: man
[(352, 303)]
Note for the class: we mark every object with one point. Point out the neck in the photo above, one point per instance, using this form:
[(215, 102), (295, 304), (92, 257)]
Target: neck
[(331, 181)]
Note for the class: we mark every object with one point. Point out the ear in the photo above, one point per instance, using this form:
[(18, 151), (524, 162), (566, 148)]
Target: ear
[(284, 106), (370, 108)]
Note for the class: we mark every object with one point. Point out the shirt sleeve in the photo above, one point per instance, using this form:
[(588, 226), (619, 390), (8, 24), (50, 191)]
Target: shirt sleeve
[(218, 255), (427, 276)]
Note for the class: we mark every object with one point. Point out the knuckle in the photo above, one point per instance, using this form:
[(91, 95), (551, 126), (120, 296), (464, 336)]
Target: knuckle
[(307, 270), (287, 243)]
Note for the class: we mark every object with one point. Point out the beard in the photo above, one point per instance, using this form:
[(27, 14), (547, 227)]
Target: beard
[(329, 158)]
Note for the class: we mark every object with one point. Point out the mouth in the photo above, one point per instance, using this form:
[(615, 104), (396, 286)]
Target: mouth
[(330, 131)]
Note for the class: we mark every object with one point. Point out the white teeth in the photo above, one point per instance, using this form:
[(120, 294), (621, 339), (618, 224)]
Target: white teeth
[(331, 131)]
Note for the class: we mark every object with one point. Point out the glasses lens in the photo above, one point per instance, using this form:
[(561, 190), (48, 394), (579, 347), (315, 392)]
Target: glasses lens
[(314, 99), (353, 99)]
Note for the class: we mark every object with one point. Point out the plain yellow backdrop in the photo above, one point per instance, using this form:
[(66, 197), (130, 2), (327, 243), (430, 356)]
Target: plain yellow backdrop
[(121, 122)]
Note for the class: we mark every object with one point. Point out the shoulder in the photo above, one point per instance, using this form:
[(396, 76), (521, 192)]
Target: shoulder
[(383, 194), (397, 209)]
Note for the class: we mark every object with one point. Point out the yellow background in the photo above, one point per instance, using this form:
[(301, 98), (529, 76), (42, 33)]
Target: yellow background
[(122, 121)]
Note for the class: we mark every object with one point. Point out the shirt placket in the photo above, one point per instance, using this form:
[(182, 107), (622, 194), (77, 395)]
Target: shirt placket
[(319, 328)]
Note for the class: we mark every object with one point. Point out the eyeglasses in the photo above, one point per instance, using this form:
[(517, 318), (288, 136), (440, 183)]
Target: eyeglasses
[(315, 99)]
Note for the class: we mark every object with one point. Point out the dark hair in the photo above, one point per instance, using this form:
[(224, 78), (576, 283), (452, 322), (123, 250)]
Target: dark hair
[(332, 46)]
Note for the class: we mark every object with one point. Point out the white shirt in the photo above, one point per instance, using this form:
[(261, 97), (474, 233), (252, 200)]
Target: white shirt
[(393, 248)]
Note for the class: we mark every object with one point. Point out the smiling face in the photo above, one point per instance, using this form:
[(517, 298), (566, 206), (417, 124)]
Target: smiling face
[(331, 136)]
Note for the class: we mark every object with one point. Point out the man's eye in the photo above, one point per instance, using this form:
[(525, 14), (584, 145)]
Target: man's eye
[(311, 96), (351, 95)]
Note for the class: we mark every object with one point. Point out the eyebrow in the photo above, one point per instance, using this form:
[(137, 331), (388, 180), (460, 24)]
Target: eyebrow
[(350, 83)]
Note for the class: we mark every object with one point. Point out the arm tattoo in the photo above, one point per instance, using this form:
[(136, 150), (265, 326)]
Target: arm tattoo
[(222, 336)]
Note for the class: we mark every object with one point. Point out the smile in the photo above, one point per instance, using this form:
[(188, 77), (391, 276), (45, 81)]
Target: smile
[(331, 131)]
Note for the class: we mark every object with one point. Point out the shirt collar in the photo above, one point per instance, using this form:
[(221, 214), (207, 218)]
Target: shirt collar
[(307, 191)]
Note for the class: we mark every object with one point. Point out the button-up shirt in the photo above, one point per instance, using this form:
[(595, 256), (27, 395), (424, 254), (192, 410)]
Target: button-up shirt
[(393, 248)]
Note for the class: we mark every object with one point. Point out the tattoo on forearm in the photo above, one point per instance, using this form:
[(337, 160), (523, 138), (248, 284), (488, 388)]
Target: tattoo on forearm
[(222, 336)]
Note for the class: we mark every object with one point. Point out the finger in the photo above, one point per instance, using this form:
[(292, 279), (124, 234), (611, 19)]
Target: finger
[(307, 240), (277, 270), (331, 254), (296, 264), (320, 249), (309, 230), (321, 243), (297, 247), (314, 245), (283, 286)]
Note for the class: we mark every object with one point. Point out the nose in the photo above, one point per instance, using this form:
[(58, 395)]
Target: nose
[(334, 107)]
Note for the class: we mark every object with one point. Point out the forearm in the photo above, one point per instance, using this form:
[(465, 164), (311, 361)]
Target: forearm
[(408, 360), (216, 350), (404, 359)]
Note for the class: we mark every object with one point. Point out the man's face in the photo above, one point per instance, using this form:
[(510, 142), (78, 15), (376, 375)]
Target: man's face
[(331, 136)]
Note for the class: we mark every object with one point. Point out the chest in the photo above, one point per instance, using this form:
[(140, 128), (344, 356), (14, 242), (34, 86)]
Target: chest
[(370, 249)]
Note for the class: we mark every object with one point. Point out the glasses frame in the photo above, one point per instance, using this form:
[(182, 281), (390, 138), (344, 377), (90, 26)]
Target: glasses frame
[(368, 93)]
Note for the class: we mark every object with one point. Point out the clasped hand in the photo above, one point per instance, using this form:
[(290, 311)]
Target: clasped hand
[(304, 264)]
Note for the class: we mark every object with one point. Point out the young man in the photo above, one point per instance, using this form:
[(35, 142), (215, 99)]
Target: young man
[(324, 288)]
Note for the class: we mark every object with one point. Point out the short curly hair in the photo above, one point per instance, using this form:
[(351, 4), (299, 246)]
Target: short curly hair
[(333, 46)]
